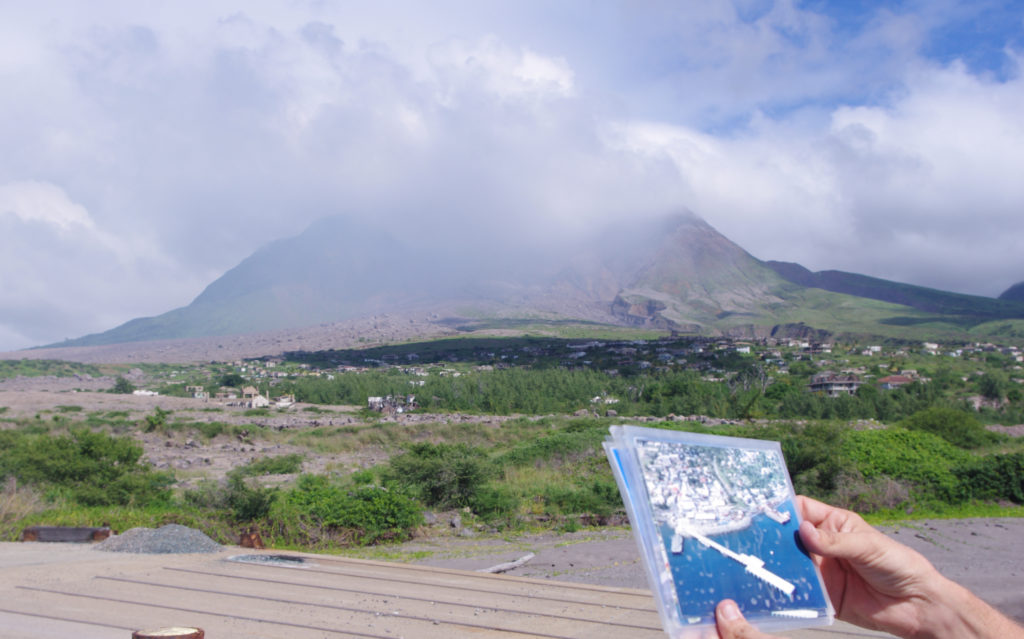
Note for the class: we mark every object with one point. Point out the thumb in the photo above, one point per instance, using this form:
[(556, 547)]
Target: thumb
[(855, 546), (731, 624)]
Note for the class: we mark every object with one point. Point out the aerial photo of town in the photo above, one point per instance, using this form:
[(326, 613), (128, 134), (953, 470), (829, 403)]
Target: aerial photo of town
[(711, 489)]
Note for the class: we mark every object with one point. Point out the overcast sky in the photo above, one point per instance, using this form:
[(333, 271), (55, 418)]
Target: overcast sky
[(145, 148)]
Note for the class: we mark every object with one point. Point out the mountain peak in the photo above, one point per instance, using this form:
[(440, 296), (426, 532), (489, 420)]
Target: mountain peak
[(1014, 294), (672, 272)]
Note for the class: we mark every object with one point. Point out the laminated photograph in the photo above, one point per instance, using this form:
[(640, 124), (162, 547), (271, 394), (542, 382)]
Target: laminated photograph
[(715, 519)]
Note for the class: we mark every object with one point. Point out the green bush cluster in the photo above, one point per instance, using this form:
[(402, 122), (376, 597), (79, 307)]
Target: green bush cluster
[(319, 512), (995, 477), (91, 468), (955, 426), (441, 475)]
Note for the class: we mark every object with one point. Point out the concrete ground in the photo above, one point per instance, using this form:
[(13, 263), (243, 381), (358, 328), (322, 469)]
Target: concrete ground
[(64, 590), (586, 584)]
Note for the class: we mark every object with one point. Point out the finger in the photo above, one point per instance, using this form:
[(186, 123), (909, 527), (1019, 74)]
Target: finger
[(824, 516), (859, 547), (813, 510), (731, 624)]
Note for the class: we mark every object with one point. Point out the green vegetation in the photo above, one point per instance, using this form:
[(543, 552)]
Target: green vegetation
[(281, 465), (955, 426), (123, 387), (533, 457), (86, 467), (320, 513), (441, 475), (38, 367)]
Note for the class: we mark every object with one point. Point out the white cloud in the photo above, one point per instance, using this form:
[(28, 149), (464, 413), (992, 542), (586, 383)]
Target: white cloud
[(924, 190), (150, 149), (61, 275), (41, 202), (498, 68)]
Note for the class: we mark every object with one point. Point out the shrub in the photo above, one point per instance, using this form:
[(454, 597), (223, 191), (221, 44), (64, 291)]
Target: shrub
[(156, 421), (496, 503), (955, 426), (91, 468), (318, 512), (994, 477), (362, 477), (562, 445), (861, 495), (441, 475), (16, 503), (597, 497), (248, 502), (925, 460), (209, 430)]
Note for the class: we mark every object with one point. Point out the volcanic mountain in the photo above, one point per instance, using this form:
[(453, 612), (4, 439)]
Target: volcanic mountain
[(673, 273)]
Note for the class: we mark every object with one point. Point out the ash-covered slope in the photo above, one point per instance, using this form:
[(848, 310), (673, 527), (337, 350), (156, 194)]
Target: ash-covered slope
[(340, 269), (696, 277)]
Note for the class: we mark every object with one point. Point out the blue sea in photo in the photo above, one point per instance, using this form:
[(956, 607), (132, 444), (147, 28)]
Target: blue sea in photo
[(703, 576)]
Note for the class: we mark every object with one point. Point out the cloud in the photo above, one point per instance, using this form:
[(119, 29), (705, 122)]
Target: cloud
[(921, 190), (60, 275), (46, 203), (507, 72), (151, 150)]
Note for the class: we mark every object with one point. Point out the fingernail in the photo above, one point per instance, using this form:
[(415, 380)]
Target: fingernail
[(729, 611)]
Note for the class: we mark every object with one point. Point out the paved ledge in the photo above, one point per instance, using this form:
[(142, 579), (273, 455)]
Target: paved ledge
[(58, 590)]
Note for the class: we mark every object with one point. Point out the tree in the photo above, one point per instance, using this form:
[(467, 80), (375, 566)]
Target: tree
[(993, 385), (123, 387), (232, 380)]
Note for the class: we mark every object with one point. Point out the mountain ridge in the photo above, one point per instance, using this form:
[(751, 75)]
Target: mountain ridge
[(674, 273)]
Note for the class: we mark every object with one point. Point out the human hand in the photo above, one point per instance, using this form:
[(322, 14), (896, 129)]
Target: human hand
[(878, 583), (874, 581)]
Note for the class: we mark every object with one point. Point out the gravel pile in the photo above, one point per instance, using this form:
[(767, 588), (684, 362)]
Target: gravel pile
[(169, 539)]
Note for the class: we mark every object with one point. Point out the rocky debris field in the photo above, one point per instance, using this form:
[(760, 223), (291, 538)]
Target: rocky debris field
[(193, 457)]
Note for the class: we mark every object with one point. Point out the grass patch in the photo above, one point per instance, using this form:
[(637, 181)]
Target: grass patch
[(280, 465), (950, 511), (317, 410), (17, 504), (214, 524)]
